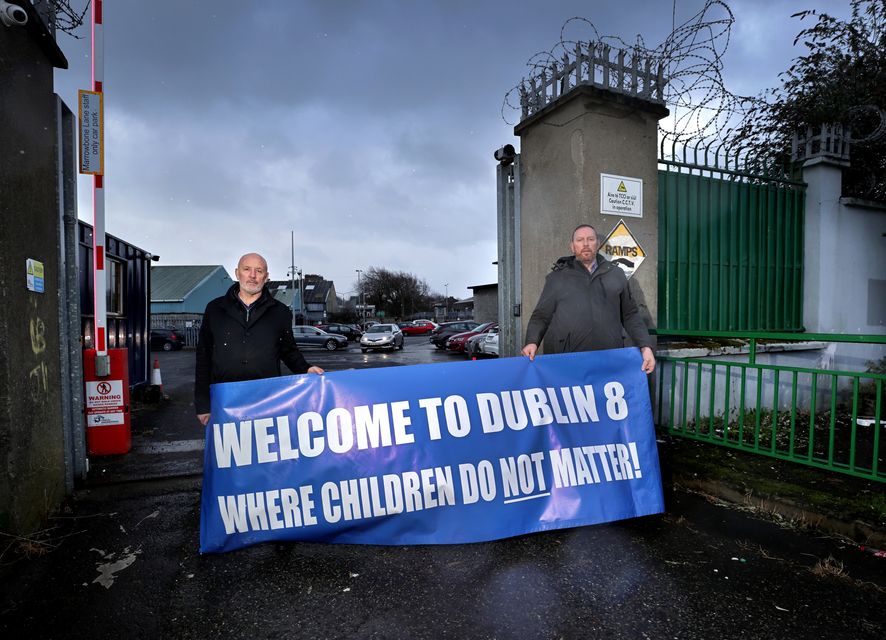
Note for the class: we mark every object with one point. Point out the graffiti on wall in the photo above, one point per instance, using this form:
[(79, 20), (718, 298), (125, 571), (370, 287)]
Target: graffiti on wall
[(39, 374)]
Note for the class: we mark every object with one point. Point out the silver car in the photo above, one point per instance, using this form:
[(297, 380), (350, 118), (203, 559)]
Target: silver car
[(472, 346), (306, 336), (489, 345), (382, 336)]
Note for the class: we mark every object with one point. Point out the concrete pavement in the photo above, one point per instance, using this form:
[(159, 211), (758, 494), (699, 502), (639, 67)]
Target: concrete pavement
[(121, 560)]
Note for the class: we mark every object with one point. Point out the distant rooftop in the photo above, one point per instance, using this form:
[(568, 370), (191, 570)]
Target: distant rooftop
[(174, 283)]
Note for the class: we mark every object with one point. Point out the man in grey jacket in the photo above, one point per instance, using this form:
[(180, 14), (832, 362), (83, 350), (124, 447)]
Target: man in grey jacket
[(585, 305)]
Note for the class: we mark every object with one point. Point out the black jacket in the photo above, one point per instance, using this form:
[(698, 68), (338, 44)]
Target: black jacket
[(580, 311), (238, 345)]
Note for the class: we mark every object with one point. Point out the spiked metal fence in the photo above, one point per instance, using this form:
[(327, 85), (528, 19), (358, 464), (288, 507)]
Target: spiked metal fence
[(825, 141), (593, 64)]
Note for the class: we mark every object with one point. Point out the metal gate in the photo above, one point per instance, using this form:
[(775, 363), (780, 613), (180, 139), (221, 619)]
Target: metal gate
[(730, 244)]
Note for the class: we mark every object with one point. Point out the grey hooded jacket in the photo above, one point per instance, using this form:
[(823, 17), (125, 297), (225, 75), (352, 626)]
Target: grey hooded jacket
[(580, 311)]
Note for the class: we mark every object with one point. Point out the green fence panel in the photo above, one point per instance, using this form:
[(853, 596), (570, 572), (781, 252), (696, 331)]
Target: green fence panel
[(830, 419), (730, 250)]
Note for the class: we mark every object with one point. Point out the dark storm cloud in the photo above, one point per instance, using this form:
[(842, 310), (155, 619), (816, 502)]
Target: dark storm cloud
[(365, 126)]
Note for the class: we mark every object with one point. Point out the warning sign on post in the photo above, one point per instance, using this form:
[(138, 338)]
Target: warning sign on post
[(621, 248), (621, 196), (101, 394), (104, 403), (36, 282)]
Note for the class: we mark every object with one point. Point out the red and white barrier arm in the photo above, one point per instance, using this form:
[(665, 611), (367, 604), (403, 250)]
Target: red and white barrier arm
[(98, 196)]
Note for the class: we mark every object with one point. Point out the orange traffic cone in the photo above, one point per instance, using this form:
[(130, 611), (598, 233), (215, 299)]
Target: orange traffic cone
[(154, 392), (156, 379)]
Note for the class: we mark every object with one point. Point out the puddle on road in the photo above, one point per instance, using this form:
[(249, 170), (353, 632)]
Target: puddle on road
[(107, 571)]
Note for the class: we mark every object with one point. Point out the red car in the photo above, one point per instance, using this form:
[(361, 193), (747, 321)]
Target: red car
[(459, 340), (419, 327)]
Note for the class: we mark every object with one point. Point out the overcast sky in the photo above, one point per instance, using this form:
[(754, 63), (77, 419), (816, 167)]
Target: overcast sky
[(366, 127)]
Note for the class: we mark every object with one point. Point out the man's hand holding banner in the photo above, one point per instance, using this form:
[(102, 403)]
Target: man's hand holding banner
[(430, 454)]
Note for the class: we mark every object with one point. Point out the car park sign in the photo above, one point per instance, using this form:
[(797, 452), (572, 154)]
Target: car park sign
[(92, 146)]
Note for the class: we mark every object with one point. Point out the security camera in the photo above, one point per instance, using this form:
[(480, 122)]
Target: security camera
[(505, 154), (12, 15)]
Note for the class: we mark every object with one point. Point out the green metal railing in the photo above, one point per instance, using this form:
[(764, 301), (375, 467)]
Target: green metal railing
[(830, 419), (730, 249)]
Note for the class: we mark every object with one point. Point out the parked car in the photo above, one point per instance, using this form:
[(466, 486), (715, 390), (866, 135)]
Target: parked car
[(306, 336), (457, 341), (489, 345), (419, 327), (472, 346), (349, 331), (382, 336), (167, 339), (441, 334)]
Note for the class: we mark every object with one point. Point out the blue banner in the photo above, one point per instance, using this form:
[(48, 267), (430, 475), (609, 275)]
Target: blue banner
[(430, 454)]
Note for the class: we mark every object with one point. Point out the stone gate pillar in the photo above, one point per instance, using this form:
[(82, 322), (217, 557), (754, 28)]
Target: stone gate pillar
[(585, 137)]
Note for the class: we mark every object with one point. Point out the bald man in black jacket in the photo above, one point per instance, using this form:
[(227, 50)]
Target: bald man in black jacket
[(244, 336)]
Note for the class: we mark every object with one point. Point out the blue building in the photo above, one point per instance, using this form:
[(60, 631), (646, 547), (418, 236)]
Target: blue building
[(179, 295)]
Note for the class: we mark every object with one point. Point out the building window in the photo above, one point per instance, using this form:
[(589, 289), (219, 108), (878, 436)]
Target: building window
[(114, 276)]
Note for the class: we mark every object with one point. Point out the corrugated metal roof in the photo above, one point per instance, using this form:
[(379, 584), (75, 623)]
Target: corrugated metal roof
[(174, 283)]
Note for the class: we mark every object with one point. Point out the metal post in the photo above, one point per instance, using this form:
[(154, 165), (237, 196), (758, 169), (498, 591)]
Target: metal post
[(514, 203), (361, 300), (102, 362), (509, 259), (71, 370), (292, 274), (301, 295)]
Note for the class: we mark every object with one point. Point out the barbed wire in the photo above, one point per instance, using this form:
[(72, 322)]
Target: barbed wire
[(68, 19), (692, 59), (709, 124)]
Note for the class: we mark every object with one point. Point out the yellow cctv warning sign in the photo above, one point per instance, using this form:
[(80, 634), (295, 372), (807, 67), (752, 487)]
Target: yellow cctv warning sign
[(621, 187), (622, 248)]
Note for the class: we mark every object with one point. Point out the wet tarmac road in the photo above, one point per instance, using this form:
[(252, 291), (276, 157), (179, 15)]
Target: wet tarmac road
[(124, 564)]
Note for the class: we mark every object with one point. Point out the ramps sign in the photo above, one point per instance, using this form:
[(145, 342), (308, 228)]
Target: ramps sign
[(622, 248), (430, 454)]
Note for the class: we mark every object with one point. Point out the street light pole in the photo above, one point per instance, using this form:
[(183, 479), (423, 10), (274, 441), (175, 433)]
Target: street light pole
[(301, 294), (292, 274), (359, 296), (446, 303)]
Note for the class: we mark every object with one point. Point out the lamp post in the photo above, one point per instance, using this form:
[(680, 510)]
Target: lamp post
[(292, 273), (295, 271), (446, 302), (359, 297), (301, 293)]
